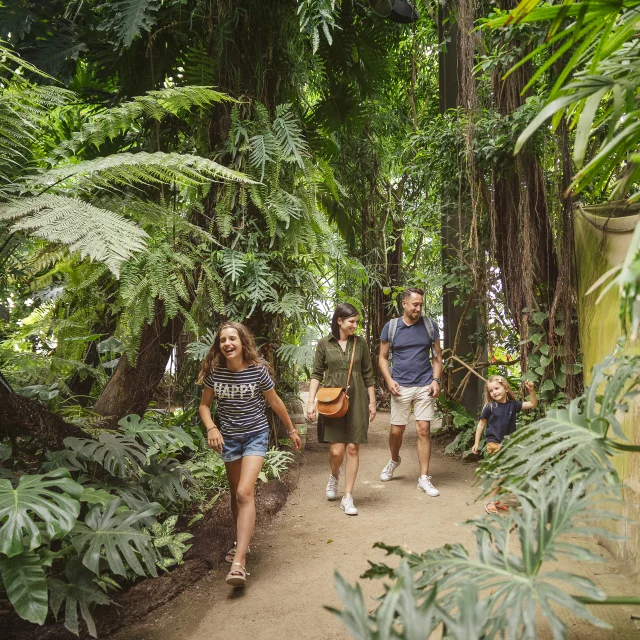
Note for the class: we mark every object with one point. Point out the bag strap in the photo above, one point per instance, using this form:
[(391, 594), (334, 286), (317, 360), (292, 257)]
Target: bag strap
[(353, 356)]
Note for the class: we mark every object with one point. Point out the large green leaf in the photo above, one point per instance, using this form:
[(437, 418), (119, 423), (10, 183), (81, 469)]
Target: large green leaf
[(26, 585), (119, 455), (114, 533), (80, 590), (53, 498), (126, 20), (153, 434), (165, 479), (580, 432), (507, 568)]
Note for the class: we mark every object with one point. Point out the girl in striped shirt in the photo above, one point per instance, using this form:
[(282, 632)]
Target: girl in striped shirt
[(235, 375)]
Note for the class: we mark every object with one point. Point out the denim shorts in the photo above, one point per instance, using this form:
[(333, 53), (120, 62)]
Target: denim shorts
[(250, 444)]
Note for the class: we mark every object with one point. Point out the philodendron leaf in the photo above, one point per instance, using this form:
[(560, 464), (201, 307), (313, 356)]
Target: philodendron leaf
[(119, 455), (115, 535), (26, 586), (166, 479), (53, 498), (153, 434), (5, 451), (79, 591)]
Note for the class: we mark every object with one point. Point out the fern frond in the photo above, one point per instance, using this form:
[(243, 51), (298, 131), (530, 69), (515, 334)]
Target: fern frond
[(198, 66), (130, 169), (264, 148), (98, 234), (289, 134), (153, 105)]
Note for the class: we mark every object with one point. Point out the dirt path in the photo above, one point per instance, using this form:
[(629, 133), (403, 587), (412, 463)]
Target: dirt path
[(294, 557)]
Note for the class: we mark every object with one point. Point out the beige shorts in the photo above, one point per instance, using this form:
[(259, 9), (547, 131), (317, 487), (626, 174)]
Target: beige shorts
[(417, 398), (493, 447)]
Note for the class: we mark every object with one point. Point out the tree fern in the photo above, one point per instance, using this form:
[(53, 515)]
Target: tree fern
[(98, 234)]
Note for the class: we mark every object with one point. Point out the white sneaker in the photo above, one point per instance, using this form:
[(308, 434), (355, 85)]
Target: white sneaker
[(347, 505), (387, 472), (424, 483), (332, 488)]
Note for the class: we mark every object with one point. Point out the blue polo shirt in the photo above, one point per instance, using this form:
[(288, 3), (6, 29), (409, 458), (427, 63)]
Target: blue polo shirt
[(411, 365)]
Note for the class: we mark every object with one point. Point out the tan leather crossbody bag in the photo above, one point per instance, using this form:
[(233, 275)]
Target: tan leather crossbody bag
[(333, 402)]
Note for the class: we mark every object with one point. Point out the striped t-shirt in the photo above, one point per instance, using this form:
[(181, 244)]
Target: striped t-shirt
[(241, 406)]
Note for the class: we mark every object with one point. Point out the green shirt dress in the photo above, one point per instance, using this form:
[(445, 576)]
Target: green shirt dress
[(331, 368)]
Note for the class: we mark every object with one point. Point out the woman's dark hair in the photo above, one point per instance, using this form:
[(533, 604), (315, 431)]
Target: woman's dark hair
[(343, 310)]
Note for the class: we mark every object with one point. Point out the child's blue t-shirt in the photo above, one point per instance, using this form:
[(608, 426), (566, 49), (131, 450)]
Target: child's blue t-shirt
[(501, 419)]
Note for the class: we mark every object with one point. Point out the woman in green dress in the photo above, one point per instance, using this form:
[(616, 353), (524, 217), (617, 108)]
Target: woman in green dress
[(346, 434)]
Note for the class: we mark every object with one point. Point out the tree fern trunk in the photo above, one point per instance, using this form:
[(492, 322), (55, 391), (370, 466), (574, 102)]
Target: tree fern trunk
[(131, 388)]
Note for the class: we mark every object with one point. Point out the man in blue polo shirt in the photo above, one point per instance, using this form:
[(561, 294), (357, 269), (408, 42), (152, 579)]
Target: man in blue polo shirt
[(412, 380)]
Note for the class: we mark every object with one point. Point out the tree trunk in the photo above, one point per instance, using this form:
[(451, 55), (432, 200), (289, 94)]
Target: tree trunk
[(131, 388), (27, 418)]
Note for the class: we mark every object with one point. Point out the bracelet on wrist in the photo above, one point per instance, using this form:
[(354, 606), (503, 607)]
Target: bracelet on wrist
[(290, 433), (212, 428)]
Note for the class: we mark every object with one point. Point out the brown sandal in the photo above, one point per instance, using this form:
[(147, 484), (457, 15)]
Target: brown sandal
[(501, 507), (237, 577)]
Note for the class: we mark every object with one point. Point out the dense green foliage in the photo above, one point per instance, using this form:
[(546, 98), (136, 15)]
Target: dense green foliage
[(167, 165), (560, 466)]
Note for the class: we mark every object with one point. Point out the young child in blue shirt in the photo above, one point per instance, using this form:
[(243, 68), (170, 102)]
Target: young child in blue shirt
[(499, 417)]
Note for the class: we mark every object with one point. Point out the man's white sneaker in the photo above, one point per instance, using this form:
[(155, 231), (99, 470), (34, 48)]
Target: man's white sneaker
[(347, 505), (424, 483), (332, 488), (387, 472)]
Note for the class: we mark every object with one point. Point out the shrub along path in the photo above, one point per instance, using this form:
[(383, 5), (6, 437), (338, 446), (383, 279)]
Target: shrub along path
[(294, 556)]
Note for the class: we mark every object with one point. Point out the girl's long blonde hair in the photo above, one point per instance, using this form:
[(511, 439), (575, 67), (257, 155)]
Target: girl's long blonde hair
[(488, 400), (216, 360)]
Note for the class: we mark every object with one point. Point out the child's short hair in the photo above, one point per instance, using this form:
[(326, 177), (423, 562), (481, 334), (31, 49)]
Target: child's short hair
[(505, 384)]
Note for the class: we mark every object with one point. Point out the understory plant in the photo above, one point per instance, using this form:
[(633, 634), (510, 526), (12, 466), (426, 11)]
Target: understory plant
[(104, 511), (560, 470)]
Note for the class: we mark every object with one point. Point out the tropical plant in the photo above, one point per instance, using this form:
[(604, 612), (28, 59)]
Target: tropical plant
[(585, 434), (498, 592), (559, 468), (595, 90), (164, 536)]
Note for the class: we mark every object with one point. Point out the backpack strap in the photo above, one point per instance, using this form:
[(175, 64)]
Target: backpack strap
[(430, 326), (393, 328)]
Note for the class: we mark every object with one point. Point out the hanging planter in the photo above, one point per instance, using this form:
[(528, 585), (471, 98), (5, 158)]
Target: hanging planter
[(395, 10)]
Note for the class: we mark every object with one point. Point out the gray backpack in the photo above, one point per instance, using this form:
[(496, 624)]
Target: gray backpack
[(430, 326)]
